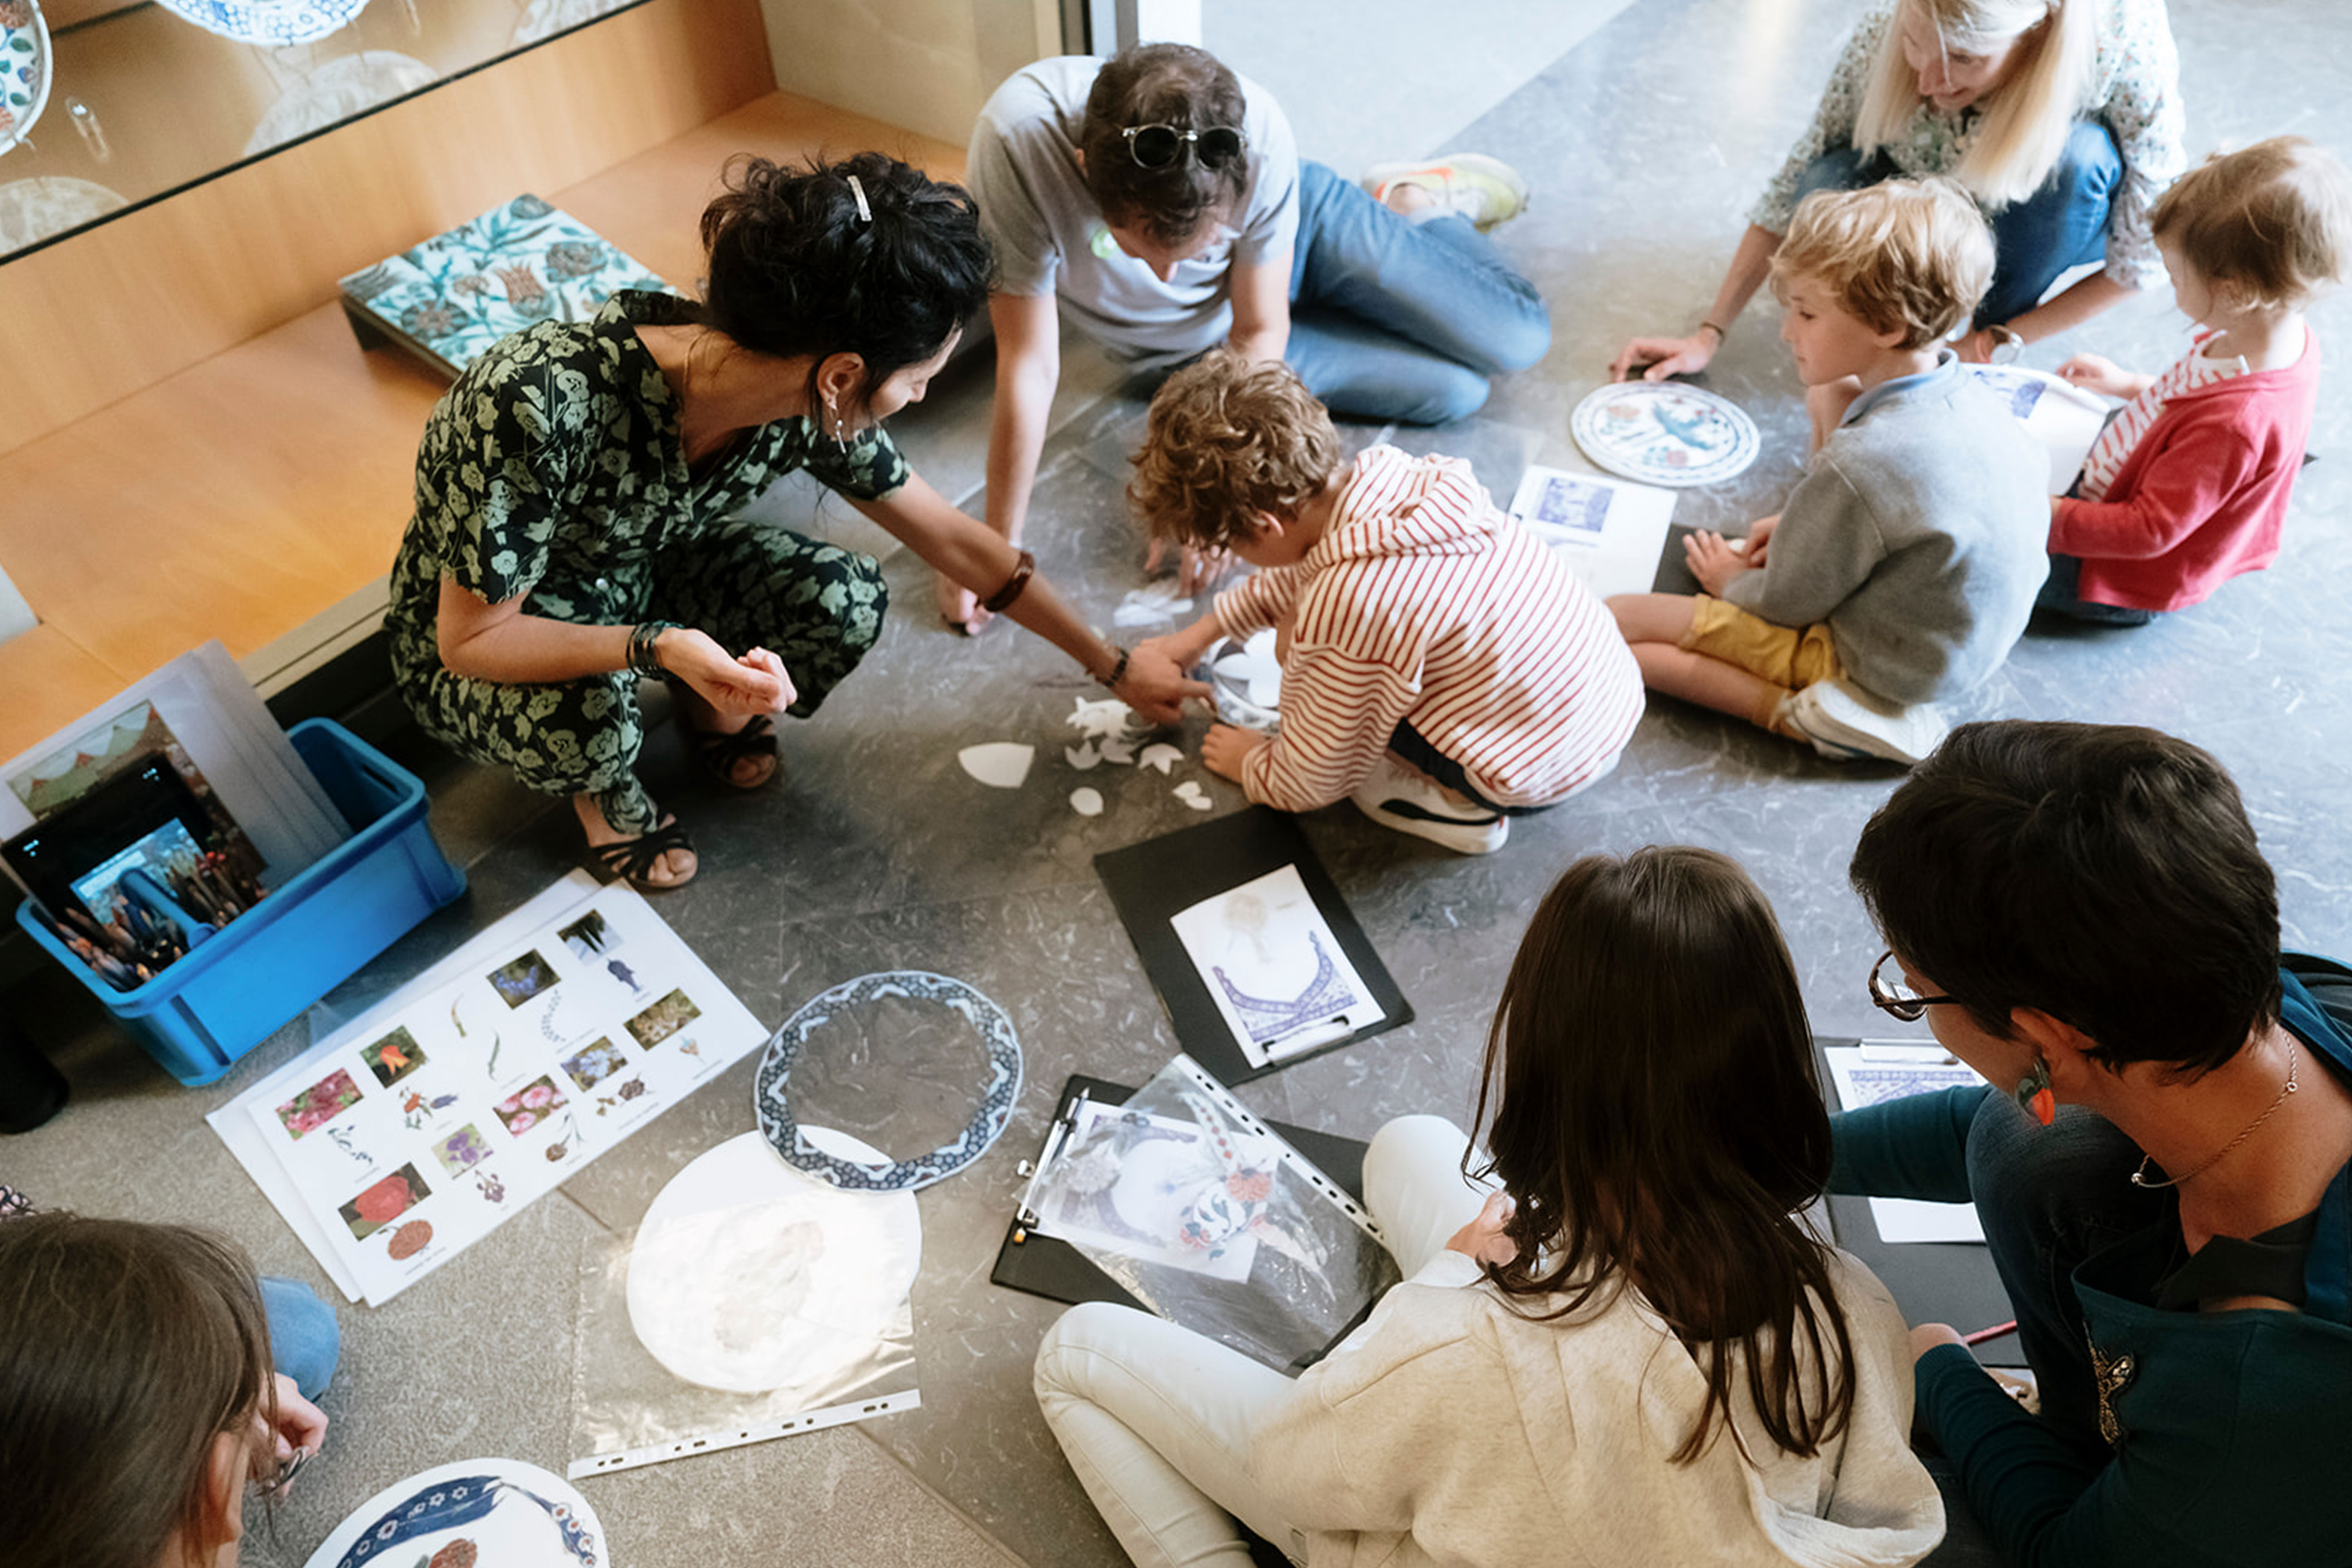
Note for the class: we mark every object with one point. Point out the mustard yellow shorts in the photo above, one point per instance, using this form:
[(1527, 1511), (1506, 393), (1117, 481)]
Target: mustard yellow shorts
[(1786, 656)]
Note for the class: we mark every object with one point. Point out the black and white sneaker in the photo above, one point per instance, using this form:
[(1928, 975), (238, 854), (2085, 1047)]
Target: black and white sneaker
[(1398, 798)]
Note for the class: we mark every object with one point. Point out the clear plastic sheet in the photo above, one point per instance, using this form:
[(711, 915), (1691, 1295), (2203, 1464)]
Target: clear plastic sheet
[(753, 1301), (1212, 1221)]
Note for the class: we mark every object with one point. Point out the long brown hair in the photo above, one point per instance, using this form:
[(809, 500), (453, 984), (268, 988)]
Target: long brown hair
[(126, 1349), (1657, 1118)]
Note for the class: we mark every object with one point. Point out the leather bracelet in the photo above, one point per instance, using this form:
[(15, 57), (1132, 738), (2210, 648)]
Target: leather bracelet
[(1117, 671), (644, 659), (1022, 571)]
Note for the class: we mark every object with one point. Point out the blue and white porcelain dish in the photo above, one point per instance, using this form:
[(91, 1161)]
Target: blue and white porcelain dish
[(272, 24)]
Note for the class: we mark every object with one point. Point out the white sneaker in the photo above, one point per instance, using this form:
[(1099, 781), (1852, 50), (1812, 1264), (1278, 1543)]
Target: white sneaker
[(1485, 190), (1844, 721), (1410, 802)]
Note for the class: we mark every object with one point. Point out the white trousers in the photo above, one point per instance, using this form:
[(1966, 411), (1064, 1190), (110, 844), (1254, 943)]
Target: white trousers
[(1157, 1420)]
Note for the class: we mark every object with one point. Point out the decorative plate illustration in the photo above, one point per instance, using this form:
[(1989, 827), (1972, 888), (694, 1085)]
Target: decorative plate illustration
[(493, 1511), (771, 1090), (1664, 433), (32, 210), (24, 69), (272, 24)]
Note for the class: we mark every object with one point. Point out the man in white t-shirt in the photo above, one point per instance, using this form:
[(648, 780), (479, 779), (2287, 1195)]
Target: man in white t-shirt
[(1160, 199)]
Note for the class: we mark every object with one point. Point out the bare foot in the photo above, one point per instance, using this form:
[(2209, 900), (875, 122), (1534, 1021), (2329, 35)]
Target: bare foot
[(672, 868), (960, 608)]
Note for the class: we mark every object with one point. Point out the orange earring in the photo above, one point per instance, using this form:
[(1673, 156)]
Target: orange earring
[(2033, 1095)]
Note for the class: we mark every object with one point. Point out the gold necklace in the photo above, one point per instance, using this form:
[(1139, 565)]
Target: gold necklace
[(2139, 1177)]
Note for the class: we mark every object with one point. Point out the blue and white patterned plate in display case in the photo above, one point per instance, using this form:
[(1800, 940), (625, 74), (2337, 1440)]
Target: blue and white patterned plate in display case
[(1664, 433), (497, 1513), (272, 24), (24, 70)]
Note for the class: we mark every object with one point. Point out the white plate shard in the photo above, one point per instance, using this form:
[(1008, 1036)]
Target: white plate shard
[(1191, 795), (1000, 764), (1101, 719), (1087, 801), (1159, 754), (1082, 756), (1119, 749)]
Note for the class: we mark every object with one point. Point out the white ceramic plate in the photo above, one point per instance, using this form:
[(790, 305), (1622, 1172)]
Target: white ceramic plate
[(1664, 433), (24, 70), (515, 1515), (272, 24)]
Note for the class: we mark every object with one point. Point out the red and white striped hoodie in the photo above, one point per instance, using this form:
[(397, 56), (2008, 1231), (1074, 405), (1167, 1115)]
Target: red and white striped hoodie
[(1423, 602)]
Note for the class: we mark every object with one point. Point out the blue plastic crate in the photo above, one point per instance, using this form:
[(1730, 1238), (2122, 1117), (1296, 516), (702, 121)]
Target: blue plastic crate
[(235, 989)]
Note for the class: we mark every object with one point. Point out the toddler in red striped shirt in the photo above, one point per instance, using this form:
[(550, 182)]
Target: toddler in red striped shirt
[(1440, 667)]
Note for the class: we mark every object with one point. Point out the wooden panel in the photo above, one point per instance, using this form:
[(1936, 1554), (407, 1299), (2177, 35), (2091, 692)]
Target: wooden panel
[(145, 296), (49, 683)]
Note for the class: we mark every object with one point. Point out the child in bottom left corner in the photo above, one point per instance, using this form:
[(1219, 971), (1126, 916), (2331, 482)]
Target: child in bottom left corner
[(1440, 667), (140, 1393)]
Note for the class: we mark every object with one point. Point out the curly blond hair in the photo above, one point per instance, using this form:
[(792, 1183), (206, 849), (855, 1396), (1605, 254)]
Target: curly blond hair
[(1909, 256), (1227, 439)]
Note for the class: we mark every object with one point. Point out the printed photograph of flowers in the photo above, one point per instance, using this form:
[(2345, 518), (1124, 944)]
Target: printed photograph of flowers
[(525, 978), (530, 1105), (594, 1064), (384, 1201), (318, 1104), (461, 1150), (663, 1019), (393, 1057)]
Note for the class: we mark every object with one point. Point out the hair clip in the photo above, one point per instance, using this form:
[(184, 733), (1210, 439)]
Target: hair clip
[(2033, 1094), (865, 213)]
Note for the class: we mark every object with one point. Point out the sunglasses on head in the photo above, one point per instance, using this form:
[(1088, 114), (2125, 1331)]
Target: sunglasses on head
[(1159, 146)]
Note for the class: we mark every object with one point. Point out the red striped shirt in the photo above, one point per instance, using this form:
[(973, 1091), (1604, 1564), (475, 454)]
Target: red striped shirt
[(1423, 602)]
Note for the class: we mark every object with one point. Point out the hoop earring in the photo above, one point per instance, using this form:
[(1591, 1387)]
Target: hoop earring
[(2033, 1094)]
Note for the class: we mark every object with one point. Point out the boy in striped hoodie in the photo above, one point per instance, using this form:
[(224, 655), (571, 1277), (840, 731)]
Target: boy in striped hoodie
[(1440, 667)]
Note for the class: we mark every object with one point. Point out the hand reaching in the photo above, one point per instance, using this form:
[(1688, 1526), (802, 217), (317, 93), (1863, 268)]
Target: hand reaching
[(1714, 561), (1225, 748), (2098, 373), (1663, 356), (1156, 686), (1759, 539), (1481, 1240), (960, 608)]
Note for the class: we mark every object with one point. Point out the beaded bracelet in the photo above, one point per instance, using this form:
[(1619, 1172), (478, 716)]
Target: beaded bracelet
[(643, 657), (1022, 571), (1118, 671)]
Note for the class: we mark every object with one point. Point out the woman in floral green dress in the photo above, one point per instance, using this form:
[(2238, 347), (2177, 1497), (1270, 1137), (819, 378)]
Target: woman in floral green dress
[(576, 494)]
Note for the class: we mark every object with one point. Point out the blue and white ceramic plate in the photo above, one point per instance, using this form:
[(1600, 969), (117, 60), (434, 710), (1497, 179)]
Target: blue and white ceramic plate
[(24, 69), (772, 1089), (272, 24), (497, 1513), (1664, 433)]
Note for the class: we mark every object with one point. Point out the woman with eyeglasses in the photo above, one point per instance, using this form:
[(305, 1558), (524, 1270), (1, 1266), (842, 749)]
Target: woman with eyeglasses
[(139, 1406), (2162, 1164), (2062, 118), (1159, 199), (1619, 1343)]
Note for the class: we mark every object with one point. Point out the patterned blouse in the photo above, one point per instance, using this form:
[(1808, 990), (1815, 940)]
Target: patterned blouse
[(554, 470), (2135, 92)]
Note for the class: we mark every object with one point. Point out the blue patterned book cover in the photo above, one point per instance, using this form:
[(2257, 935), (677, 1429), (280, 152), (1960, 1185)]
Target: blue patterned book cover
[(513, 267)]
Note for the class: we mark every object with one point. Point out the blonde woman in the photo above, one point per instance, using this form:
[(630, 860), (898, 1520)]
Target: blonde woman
[(2061, 117)]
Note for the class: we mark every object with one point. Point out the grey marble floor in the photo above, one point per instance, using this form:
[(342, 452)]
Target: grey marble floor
[(1646, 141)]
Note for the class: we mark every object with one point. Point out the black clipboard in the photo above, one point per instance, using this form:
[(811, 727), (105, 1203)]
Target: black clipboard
[(1153, 882), (1951, 1282), (1048, 1266)]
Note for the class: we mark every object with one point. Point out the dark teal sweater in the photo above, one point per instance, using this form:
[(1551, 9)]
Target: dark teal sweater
[(2234, 1426)]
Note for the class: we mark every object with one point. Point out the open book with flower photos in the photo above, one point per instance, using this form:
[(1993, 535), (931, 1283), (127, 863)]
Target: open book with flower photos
[(519, 264)]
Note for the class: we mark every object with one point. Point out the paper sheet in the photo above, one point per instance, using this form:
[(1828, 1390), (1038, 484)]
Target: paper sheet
[(420, 1127), (1610, 532), (2063, 417), (1278, 976), (1875, 1071)]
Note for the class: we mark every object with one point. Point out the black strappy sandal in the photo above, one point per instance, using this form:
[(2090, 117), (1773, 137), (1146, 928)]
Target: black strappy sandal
[(719, 750), (631, 860)]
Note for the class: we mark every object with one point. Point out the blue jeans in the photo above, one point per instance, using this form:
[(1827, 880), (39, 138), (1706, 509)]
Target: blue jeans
[(2063, 224), (305, 1341), (2060, 591), (1395, 320), (2049, 1197)]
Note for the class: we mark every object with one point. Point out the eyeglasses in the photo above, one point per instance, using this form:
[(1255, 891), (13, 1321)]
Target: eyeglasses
[(1159, 146), (1896, 998), (281, 1476)]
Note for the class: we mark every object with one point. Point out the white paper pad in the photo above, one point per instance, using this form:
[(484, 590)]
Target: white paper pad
[(422, 1125), (1279, 977), (1876, 1071), (1610, 532)]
